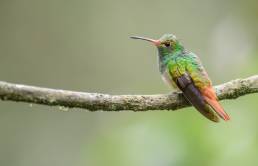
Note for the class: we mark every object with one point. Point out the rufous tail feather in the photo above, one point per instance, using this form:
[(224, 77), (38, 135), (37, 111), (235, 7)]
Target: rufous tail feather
[(211, 99)]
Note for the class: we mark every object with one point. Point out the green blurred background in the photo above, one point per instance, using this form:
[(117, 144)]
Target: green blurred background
[(84, 45)]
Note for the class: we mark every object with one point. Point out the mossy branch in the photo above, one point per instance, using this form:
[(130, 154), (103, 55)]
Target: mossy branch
[(105, 102)]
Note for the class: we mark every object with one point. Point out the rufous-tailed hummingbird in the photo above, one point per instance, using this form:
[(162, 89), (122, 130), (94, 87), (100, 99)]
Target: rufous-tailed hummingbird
[(184, 71)]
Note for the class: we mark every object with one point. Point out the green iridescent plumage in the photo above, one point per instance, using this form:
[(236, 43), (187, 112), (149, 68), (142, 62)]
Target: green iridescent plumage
[(178, 61), (183, 70)]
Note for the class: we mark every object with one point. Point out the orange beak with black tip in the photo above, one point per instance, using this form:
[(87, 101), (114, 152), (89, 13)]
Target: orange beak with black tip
[(155, 42)]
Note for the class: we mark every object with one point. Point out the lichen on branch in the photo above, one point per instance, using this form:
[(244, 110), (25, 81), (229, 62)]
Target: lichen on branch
[(97, 101)]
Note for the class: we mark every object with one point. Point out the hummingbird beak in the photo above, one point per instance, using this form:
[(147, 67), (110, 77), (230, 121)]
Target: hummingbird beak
[(155, 42)]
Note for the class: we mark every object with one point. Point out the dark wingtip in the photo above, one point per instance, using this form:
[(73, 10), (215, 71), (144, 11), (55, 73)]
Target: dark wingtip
[(210, 114), (216, 120), (194, 96)]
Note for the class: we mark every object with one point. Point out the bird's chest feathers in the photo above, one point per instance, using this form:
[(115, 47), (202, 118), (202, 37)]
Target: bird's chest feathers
[(166, 65)]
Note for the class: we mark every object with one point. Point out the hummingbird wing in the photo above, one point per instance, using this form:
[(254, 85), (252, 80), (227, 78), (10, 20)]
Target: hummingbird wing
[(192, 79), (202, 82), (194, 96)]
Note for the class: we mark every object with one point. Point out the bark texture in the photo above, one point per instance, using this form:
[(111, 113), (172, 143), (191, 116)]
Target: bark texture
[(105, 102)]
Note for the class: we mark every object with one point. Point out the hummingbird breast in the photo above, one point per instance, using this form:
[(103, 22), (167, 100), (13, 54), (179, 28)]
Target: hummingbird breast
[(166, 76)]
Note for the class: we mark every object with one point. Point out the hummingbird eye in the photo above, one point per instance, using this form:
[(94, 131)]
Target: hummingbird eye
[(167, 44)]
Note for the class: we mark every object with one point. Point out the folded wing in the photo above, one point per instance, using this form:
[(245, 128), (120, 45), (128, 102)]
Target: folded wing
[(202, 82), (194, 96)]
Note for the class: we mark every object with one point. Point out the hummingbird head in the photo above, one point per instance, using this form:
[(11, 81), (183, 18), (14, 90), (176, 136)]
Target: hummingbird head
[(166, 45)]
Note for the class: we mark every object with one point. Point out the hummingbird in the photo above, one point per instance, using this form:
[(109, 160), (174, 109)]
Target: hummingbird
[(183, 70)]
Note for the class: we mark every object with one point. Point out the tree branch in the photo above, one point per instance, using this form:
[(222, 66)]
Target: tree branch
[(105, 102)]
